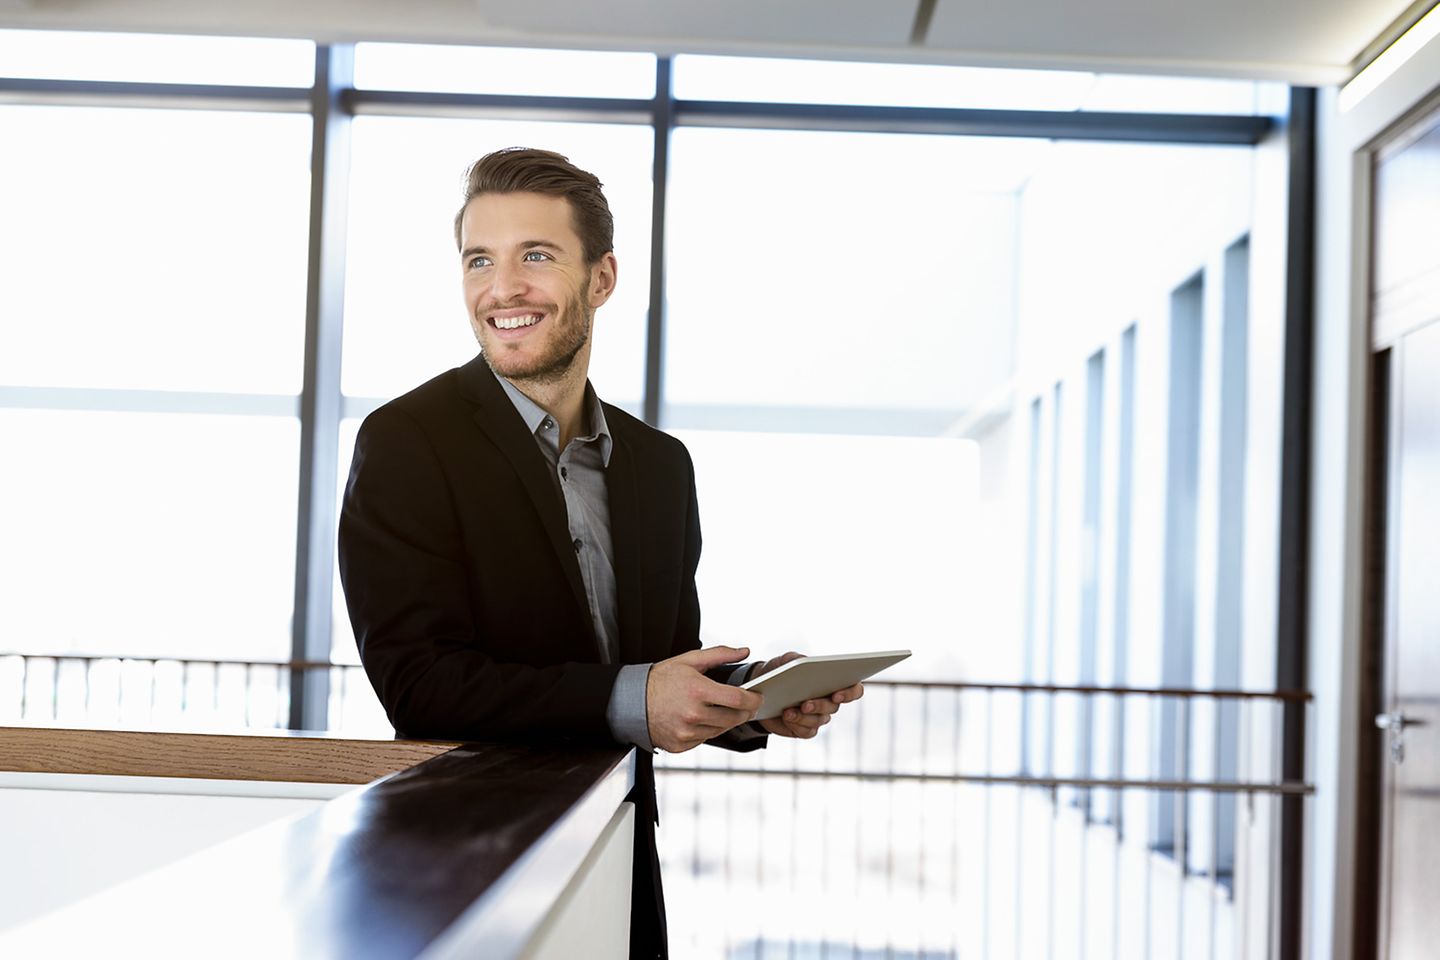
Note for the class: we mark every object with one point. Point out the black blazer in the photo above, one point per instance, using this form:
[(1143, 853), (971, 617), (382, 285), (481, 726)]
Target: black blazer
[(463, 587)]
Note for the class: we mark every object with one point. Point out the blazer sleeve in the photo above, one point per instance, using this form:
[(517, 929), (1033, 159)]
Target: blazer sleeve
[(403, 567)]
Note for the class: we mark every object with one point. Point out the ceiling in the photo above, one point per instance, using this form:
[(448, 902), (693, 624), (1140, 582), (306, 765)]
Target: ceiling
[(1300, 41)]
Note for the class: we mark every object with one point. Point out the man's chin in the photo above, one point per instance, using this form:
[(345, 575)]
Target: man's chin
[(538, 370)]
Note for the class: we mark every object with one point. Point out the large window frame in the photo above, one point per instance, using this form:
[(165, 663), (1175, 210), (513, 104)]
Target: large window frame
[(333, 100)]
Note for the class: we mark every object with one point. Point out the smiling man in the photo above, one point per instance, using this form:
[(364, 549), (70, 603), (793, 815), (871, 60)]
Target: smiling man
[(519, 557)]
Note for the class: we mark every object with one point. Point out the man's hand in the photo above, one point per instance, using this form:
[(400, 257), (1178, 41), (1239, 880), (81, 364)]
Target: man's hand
[(685, 708), (804, 720)]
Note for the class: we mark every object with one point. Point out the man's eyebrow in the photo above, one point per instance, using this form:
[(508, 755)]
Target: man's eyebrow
[(475, 251)]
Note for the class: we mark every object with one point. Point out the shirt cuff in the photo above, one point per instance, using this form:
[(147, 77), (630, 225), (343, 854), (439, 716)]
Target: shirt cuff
[(750, 730), (627, 711), (741, 674)]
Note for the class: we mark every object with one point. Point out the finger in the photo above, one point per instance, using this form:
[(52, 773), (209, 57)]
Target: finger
[(733, 697), (719, 719), (711, 657), (849, 694), (777, 662), (797, 719), (829, 705)]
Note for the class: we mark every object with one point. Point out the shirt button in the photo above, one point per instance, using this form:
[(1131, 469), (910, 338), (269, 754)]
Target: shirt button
[(577, 544), (563, 474), (548, 424)]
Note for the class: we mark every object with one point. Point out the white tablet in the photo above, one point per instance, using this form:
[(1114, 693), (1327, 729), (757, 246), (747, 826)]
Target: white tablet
[(811, 677)]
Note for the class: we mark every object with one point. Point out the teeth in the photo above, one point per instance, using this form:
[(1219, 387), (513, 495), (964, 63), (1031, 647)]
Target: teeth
[(510, 323)]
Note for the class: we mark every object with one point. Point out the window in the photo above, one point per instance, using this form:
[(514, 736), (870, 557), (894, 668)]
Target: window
[(156, 58), (513, 71), (153, 249), (838, 272), (404, 318)]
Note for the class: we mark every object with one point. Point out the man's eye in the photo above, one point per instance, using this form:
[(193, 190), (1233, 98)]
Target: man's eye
[(535, 256), (478, 262)]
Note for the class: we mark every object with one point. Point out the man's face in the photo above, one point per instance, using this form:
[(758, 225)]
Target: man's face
[(530, 294)]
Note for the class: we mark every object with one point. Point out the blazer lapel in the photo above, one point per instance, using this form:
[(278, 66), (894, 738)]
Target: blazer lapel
[(496, 416), (625, 525)]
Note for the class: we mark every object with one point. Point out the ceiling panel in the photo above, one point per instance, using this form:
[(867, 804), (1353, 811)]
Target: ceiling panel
[(1295, 40), (1290, 35), (824, 22)]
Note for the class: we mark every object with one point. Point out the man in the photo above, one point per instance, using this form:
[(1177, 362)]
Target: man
[(518, 557)]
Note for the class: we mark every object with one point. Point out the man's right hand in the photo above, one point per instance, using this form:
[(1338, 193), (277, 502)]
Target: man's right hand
[(685, 708)]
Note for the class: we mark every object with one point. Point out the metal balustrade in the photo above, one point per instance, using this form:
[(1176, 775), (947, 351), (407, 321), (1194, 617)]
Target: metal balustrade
[(929, 820)]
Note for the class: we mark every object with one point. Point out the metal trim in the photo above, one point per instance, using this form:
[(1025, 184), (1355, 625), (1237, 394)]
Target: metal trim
[(662, 122), (1046, 124), (1292, 628), (320, 399), (185, 96)]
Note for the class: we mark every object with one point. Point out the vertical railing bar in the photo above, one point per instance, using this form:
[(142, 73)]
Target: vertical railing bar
[(1152, 812), (1215, 869), (1015, 892), (24, 685), (184, 687), (860, 819), (988, 803), (282, 697), (1050, 855), (1117, 814), (925, 705), (120, 692), (85, 665), (1182, 801), (890, 817), (249, 690), (55, 689), (794, 858), (1215, 714), (215, 689)]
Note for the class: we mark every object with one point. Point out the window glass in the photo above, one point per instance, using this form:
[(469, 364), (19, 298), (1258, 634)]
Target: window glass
[(153, 58), (504, 70), (153, 249), (405, 320), (841, 270), (752, 79), (1129, 93), (168, 535), (786, 533)]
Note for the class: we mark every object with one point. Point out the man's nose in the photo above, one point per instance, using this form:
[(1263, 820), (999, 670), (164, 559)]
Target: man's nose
[(507, 281)]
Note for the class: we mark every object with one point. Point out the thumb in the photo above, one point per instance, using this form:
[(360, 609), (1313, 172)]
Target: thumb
[(712, 657)]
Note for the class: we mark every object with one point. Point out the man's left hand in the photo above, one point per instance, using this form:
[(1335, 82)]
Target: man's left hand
[(804, 720)]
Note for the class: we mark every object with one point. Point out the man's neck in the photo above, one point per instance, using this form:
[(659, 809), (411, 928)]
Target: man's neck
[(563, 398)]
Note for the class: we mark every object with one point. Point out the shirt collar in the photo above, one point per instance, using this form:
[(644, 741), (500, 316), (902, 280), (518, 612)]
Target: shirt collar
[(534, 415)]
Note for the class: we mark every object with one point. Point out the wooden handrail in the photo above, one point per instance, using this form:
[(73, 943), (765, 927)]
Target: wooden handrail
[(276, 756)]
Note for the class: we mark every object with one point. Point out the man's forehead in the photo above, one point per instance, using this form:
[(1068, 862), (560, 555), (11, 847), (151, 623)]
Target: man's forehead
[(517, 218)]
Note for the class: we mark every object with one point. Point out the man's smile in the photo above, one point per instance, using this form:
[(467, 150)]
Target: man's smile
[(512, 324)]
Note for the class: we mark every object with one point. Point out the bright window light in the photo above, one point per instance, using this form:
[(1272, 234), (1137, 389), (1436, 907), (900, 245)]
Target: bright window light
[(150, 58), (512, 71), (752, 80)]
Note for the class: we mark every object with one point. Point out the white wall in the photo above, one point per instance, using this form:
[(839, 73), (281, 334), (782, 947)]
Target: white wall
[(67, 836)]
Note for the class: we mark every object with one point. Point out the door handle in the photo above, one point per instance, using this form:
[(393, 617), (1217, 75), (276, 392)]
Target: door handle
[(1394, 724)]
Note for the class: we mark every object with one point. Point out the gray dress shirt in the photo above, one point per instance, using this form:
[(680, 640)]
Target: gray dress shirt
[(578, 473)]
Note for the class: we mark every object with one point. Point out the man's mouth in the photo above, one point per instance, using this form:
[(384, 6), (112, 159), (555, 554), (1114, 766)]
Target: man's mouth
[(512, 323)]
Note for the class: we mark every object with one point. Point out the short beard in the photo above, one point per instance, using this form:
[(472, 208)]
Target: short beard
[(555, 367)]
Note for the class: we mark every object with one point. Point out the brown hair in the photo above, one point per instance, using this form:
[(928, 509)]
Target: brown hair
[(527, 170)]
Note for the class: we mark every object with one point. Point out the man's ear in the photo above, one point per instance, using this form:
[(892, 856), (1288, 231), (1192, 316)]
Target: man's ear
[(602, 280)]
